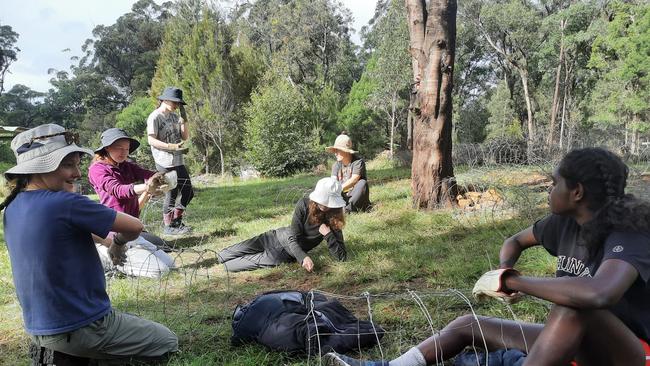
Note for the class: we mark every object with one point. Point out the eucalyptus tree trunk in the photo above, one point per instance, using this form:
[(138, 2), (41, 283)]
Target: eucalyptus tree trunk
[(556, 93), (432, 33)]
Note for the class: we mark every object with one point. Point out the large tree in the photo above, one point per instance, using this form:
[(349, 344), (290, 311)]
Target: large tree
[(8, 51), (432, 34), (620, 55), (392, 73), (126, 52)]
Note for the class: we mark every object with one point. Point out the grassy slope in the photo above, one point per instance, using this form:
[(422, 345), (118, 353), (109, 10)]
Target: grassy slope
[(391, 250)]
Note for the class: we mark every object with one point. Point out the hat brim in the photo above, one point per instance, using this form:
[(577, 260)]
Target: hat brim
[(331, 201), (181, 101), (133, 144), (47, 163), (332, 149)]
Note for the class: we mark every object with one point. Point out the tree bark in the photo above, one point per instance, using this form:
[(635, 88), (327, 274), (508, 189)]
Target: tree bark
[(433, 50), (556, 94), (523, 73)]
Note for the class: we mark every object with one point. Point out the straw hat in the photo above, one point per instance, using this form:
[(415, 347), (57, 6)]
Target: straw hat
[(113, 134), (41, 149), (328, 193), (342, 143)]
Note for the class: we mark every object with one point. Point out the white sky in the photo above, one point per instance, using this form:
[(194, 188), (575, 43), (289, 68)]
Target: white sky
[(48, 27)]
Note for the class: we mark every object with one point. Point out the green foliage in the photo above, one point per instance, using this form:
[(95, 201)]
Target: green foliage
[(621, 56), (127, 51), (359, 120), (471, 121), (280, 140), (392, 73), (199, 56), (503, 121), (17, 108), (8, 51), (133, 118), (310, 38)]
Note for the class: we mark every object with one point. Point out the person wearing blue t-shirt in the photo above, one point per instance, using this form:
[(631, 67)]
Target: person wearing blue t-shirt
[(50, 233), (600, 294)]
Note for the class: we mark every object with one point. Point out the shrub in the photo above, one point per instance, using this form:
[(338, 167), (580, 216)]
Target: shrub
[(280, 138)]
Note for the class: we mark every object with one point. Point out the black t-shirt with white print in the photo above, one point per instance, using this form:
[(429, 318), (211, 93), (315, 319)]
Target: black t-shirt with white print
[(559, 236)]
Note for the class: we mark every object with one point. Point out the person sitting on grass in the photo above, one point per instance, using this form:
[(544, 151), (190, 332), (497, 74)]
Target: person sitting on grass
[(59, 279), (318, 217), (601, 292), (350, 170), (114, 178)]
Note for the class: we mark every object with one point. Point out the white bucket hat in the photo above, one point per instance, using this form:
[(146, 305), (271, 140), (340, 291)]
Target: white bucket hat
[(328, 193), (343, 143), (41, 149)]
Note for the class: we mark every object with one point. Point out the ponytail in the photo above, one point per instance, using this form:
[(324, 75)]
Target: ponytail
[(17, 185), (626, 213)]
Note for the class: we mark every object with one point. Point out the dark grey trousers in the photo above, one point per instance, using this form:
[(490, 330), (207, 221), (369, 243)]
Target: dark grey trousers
[(261, 251), (358, 198)]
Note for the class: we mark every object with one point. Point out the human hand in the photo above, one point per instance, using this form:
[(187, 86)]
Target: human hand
[(492, 284), (175, 147), (324, 229), (183, 113), (156, 183), (308, 264), (117, 253)]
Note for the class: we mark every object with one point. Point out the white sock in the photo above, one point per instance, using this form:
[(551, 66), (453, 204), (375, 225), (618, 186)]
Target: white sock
[(411, 358)]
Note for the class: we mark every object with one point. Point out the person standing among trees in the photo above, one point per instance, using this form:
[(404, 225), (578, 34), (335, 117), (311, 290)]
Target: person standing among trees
[(166, 133), (50, 232), (350, 170), (601, 292)]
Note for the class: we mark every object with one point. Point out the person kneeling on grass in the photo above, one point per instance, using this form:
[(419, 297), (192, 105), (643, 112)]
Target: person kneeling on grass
[(57, 273), (315, 218), (601, 293), (115, 179), (350, 170)]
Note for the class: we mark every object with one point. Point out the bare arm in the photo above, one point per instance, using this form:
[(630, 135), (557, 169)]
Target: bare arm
[(185, 131), (602, 290), (351, 182), (514, 246), (153, 141), (127, 225)]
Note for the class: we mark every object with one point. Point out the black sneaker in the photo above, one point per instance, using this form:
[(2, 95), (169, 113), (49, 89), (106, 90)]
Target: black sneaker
[(42, 356)]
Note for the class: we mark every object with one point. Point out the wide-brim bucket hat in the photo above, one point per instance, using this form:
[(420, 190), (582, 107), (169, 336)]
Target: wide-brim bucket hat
[(328, 193), (113, 134), (173, 94), (41, 149), (342, 143)]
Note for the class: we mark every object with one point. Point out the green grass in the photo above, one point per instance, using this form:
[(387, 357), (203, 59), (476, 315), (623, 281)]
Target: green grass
[(392, 250)]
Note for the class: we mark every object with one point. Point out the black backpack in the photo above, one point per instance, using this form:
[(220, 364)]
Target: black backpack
[(282, 321)]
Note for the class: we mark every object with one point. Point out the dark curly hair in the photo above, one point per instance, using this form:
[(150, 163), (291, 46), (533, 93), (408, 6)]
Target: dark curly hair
[(603, 176), (333, 217)]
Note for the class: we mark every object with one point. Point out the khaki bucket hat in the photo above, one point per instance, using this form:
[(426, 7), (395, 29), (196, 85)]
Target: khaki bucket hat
[(342, 143)]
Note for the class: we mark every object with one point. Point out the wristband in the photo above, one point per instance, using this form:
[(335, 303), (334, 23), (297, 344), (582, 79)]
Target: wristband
[(119, 240)]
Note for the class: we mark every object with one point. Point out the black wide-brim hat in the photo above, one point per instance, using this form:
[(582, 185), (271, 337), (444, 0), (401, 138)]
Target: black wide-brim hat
[(172, 94), (113, 134)]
